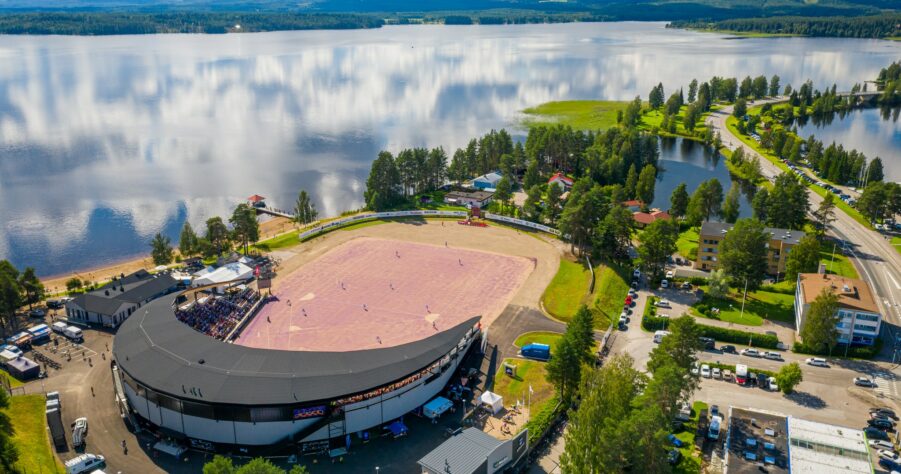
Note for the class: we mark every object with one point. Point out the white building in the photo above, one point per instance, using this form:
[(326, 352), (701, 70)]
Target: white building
[(487, 181), (859, 317), (818, 448)]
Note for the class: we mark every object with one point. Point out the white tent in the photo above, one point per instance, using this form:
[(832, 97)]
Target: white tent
[(225, 273), (494, 401)]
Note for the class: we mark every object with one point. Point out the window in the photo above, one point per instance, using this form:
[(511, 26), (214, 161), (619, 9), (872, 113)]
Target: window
[(867, 317)]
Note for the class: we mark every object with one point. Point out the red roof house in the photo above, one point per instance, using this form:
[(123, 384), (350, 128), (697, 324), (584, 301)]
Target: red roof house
[(644, 218), (562, 180)]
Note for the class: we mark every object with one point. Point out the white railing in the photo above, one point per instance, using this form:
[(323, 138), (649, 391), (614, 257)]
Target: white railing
[(378, 215), (520, 222)]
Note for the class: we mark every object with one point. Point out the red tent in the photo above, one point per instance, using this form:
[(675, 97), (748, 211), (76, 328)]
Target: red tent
[(255, 198)]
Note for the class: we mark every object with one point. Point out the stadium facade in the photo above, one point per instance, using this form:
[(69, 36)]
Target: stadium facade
[(219, 396)]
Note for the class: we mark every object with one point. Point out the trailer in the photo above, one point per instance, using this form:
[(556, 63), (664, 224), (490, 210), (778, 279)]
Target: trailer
[(536, 351), (40, 333), (57, 431)]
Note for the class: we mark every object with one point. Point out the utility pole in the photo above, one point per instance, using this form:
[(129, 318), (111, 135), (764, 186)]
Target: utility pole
[(744, 296)]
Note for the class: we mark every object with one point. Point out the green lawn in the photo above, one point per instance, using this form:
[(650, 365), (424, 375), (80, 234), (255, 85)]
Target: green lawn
[(691, 461), (35, 454), (539, 337), (288, 239), (528, 373), (611, 287), (896, 242), (759, 305), (13, 382), (567, 290), (838, 264), (578, 114), (687, 244)]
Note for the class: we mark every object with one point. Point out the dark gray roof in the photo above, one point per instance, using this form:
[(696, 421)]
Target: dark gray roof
[(790, 237), (134, 288), (462, 454), (156, 349)]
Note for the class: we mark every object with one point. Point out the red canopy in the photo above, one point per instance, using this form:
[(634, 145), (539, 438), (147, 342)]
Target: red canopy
[(255, 198)]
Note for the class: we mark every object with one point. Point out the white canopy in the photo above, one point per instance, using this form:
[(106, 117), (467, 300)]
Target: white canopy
[(225, 273), (494, 401)]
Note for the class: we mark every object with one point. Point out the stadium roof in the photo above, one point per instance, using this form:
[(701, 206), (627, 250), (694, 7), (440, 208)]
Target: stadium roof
[(159, 351)]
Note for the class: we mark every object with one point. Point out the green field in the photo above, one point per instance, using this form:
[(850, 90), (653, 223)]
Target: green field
[(611, 288), (838, 264), (528, 373), (35, 454), (691, 461), (687, 244), (896, 242), (539, 337), (578, 114), (13, 382), (759, 305), (288, 239), (567, 290)]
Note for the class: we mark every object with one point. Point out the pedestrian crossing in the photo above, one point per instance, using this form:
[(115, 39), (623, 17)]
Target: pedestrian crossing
[(887, 385)]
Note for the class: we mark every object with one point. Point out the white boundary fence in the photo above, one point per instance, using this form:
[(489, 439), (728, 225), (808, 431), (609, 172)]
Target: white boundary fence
[(520, 222), (378, 215)]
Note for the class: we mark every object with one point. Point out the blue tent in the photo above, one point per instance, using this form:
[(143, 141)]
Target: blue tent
[(536, 351), (398, 428)]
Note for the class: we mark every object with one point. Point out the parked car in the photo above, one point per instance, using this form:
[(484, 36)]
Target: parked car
[(685, 285), (675, 441), (763, 380), (729, 349), (663, 303), (750, 352), (772, 355), (670, 275), (634, 285), (816, 362), (874, 433), (890, 465), (715, 372), (37, 313), (705, 371), (636, 273), (881, 423), (887, 412), (628, 301), (864, 382), (664, 284), (708, 342), (773, 385), (695, 367), (885, 454), (752, 379), (11, 348), (880, 444), (714, 411), (674, 457)]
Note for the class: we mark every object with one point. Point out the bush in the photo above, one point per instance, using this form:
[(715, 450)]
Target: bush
[(698, 281), (854, 352), (542, 421), (766, 341)]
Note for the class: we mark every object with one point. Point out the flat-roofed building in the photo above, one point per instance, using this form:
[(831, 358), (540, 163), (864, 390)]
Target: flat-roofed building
[(469, 198), (780, 244), (756, 438), (818, 448), (859, 319)]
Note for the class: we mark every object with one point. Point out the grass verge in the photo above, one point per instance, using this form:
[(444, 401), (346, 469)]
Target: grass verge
[(687, 244), (528, 373), (13, 382), (35, 453), (567, 290), (759, 305), (611, 286), (838, 264)]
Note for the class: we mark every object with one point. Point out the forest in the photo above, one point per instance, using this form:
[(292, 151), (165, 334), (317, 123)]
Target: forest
[(877, 26)]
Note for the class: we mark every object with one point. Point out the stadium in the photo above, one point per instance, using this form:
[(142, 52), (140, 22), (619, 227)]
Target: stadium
[(363, 332)]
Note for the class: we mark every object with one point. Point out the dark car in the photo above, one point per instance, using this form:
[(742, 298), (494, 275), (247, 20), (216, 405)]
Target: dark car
[(752, 379), (875, 433), (714, 410), (728, 349), (763, 380), (708, 342), (55, 304), (889, 465), (886, 412), (674, 457), (881, 423)]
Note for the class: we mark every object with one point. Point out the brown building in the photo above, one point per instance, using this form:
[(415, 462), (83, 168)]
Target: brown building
[(712, 233)]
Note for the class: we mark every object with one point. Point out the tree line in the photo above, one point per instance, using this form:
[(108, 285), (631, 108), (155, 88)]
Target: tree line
[(875, 26), (17, 289), (138, 23)]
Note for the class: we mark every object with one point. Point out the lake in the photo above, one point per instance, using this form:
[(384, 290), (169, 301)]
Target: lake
[(871, 131), (105, 141)]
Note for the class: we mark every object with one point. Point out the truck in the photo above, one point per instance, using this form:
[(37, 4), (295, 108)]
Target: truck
[(741, 374), (73, 333), (713, 432), (55, 423)]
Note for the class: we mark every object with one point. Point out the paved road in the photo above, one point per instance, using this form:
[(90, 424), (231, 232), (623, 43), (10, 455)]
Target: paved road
[(877, 261)]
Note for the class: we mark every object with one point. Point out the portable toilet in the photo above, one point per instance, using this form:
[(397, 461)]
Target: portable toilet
[(536, 351)]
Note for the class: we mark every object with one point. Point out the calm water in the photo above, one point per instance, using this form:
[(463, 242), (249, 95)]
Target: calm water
[(872, 131), (105, 141)]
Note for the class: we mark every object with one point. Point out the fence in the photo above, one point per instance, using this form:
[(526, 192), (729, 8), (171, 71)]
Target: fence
[(510, 220), (377, 215), (591, 269)]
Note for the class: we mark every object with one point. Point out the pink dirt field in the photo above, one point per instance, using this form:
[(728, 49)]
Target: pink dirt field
[(370, 293)]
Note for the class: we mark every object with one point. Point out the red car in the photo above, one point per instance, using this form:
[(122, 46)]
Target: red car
[(628, 301)]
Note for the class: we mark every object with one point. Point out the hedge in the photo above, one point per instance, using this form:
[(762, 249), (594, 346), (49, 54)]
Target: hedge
[(856, 352), (766, 341), (649, 319), (542, 421)]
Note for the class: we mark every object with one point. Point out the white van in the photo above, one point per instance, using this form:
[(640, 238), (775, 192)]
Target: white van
[(73, 333), (84, 463), (59, 327), (659, 335)]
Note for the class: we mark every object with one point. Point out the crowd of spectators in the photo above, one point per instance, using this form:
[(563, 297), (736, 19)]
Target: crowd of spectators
[(217, 316)]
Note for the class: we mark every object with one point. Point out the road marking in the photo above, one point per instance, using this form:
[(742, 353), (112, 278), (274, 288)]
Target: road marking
[(889, 273)]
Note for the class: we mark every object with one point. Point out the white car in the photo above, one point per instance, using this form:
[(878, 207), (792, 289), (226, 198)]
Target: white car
[(694, 368), (636, 273), (670, 275), (750, 352), (663, 303), (886, 454), (881, 444), (772, 355), (772, 383), (664, 284), (11, 348), (663, 315), (705, 371), (816, 362), (715, 372)]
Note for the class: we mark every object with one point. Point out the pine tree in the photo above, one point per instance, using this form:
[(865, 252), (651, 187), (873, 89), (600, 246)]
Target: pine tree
[(187, 241)]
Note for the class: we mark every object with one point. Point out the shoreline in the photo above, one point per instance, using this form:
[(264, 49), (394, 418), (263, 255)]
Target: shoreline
[(56, 284)]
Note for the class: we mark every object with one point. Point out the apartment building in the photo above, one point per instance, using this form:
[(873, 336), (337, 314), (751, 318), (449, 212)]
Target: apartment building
[(859, 317), (713, 233)]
